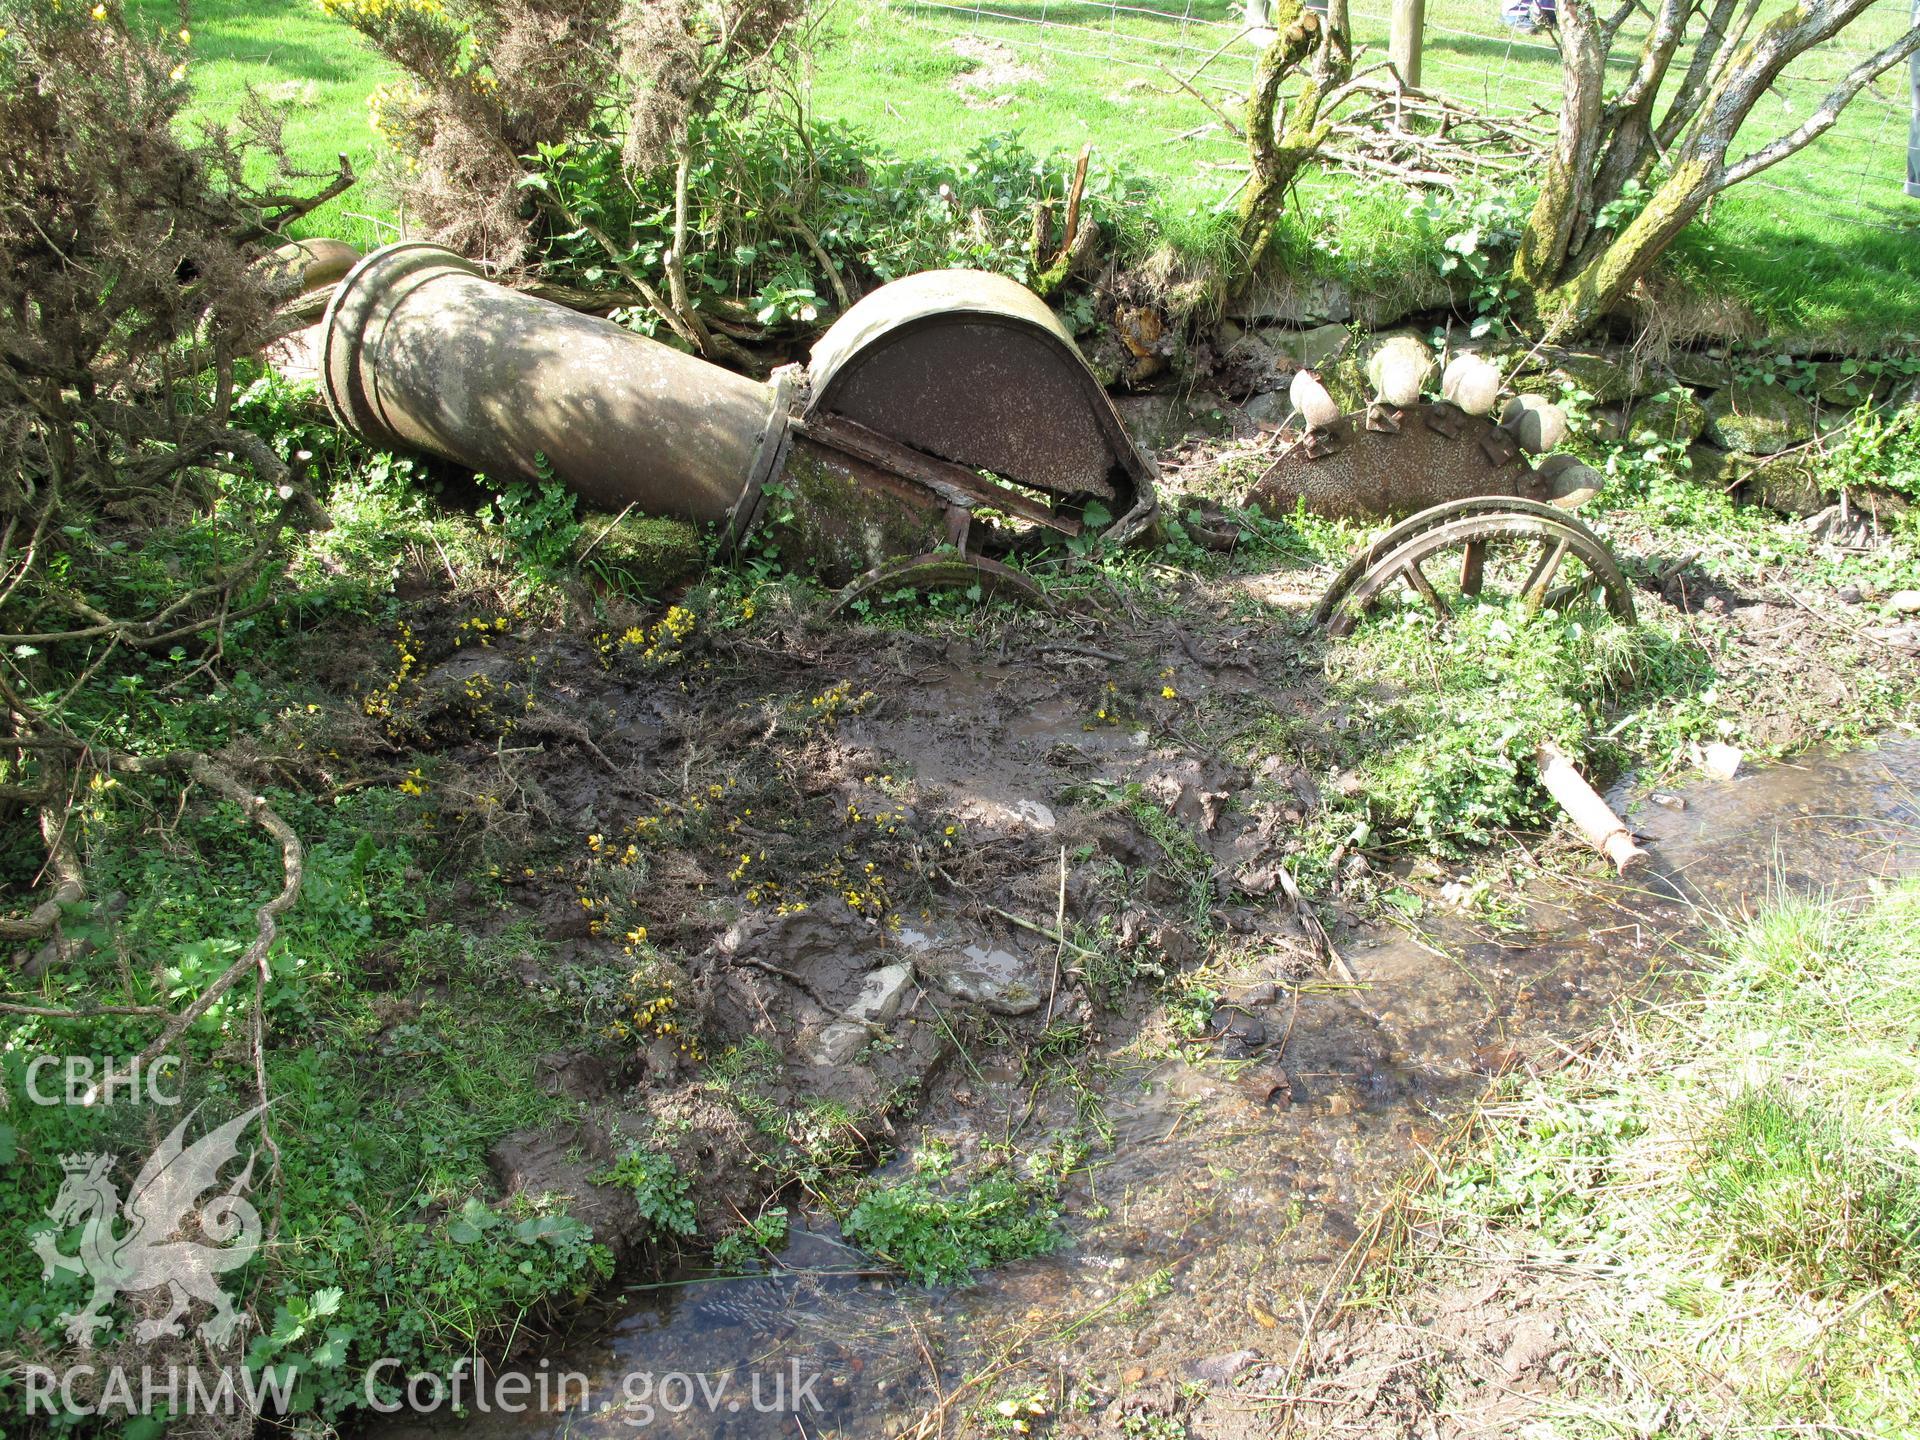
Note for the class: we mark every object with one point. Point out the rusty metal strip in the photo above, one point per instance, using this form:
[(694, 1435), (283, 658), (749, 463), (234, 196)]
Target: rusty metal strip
[(951, 482)]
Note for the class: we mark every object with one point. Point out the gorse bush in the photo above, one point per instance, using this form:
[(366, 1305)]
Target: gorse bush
[(484, 85), (789, 224), (661, 154), (131, 294)]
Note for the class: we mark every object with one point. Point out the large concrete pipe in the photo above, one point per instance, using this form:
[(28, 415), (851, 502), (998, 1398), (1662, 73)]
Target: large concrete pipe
[(421, 351)]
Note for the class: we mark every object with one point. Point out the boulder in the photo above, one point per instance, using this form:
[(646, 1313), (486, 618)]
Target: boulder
[(1311, 349), (1702, 370), (1271, 407), (1608, 378), (1786, 484), (1754, 418), (1674, 416), (1306, 300), (1709, 465), (1417, 291), (1843, 384), (642, 555)]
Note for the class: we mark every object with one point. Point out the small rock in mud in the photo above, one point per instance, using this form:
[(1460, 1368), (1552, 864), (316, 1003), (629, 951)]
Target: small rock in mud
[(875, 1007), (1238, 1032), (994, 979), (837, 1044), (881, 993), (1666, 801), (1496, 1059), (1267, 1087), (1720, 760), (1257, 879), (1219, 1369), (1905, 602), (1011, 817)]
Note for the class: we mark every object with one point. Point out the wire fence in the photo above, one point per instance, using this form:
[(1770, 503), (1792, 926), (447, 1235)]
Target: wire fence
[(1468, 53)]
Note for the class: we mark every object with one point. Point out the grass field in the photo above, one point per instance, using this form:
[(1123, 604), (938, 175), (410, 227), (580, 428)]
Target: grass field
[(312, 72), (1825, 241), (1723, 1201)]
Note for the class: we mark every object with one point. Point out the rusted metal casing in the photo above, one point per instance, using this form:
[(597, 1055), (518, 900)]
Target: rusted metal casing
[(974, 368), (422, 351), (1435, 454)]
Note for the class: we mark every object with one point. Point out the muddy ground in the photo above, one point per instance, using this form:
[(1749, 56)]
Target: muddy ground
[(944, 875)]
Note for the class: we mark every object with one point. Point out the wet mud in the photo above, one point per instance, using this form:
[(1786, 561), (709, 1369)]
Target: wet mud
[(1234, 1176)]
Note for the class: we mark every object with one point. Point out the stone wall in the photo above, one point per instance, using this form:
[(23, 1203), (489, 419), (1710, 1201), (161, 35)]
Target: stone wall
[(1741, 427)]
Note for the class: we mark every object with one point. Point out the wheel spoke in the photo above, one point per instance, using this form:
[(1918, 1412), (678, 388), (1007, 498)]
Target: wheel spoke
[(1551, 554), (1417, 578), (1473, 567)]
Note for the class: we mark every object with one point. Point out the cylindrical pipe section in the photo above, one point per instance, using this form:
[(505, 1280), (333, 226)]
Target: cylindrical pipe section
[(1591, 815), (421, 351)]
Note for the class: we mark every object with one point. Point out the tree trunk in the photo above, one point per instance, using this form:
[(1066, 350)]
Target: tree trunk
[(1567, 181), (1569, 269), (1282, 141)]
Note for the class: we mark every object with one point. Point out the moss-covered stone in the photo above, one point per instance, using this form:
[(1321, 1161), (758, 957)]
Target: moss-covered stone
[(1346, 381), (1711, 466), (1754, 418), (1701, 370), (1608, 379), (1320, 346), (1675, 416), (1291, 300), (1786, 484), (1844, 384), (643, 555)]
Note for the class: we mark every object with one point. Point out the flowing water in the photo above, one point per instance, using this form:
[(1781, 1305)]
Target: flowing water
[(1230, 1191)]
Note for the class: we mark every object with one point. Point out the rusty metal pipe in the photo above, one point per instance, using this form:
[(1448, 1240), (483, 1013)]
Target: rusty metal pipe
[(421, 351)]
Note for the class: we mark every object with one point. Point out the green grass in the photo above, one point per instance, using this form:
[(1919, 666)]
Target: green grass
[(311, 72), (1821, 243), (1728, 1196)]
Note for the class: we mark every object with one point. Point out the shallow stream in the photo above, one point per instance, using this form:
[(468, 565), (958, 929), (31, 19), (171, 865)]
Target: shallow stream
[(1232, 1189)]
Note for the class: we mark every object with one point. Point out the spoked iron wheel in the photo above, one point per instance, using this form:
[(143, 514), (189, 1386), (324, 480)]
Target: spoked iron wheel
[(1485, 546)]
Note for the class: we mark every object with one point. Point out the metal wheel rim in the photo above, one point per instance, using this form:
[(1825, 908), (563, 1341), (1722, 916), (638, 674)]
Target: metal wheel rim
[(1370, 554), (1561, 537)]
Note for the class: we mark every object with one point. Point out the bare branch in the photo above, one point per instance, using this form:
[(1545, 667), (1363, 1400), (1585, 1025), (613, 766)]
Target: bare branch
[(1825, 113), (267, 918), (70, 882)]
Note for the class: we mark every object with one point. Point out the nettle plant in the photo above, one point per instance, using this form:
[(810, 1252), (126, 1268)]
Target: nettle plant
[(1480, 252)]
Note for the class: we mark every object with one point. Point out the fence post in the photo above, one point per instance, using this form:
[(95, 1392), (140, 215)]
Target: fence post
[(1403, 43)]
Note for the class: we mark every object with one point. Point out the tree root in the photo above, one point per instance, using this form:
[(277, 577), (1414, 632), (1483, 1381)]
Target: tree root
[(70, 882), (70, 887)]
